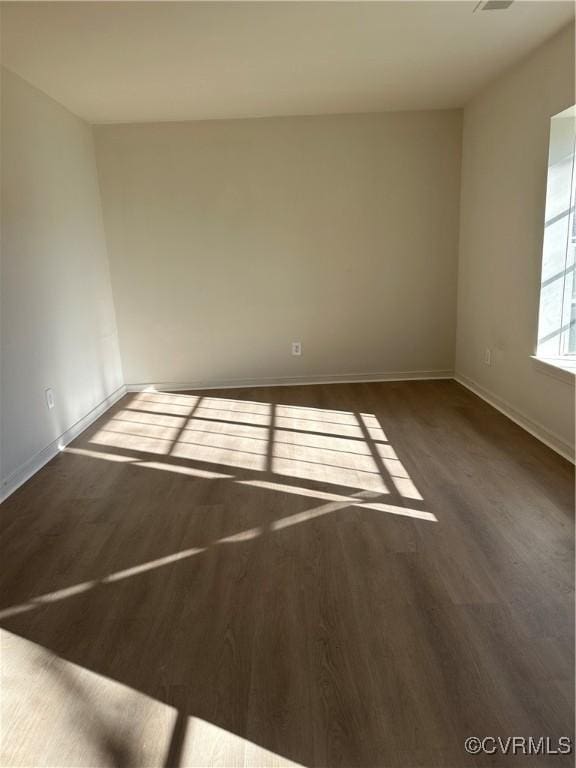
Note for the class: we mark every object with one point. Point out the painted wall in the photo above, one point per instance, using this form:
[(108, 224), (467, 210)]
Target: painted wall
[(228, 240), (504, 165), (57, 316)]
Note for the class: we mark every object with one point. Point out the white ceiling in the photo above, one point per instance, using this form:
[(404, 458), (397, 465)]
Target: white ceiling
[(153, 61)]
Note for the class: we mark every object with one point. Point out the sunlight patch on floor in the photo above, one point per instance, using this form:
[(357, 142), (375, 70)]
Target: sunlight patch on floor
[(184, 470), (336, 503), (61, 714), (323, 446), (97, 454)]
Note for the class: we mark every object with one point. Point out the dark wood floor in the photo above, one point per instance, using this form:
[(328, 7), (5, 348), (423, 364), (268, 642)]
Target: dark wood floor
[(345, 575)]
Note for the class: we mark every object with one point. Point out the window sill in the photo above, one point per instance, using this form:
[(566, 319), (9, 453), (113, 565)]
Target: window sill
[(561, 368)]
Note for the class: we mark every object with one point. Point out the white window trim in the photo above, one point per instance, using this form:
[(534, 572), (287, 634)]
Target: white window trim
[(560, 368)]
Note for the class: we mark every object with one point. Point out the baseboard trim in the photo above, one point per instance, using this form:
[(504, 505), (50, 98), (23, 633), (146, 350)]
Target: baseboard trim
[(537, 430), (42, 457), (19, 476), (291, 381)]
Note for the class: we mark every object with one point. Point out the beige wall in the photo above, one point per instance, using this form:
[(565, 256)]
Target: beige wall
[(57, 319), (228, 240), (505, 148)]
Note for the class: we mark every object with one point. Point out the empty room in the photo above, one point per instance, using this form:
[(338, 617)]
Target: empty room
[(287, 384)]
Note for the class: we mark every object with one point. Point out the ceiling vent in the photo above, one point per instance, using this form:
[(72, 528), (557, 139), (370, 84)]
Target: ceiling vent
[(493, 5)]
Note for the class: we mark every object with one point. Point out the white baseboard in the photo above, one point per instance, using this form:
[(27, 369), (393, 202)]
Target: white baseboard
[(291, 381), (30, 467), (551, 439), (19, 476)]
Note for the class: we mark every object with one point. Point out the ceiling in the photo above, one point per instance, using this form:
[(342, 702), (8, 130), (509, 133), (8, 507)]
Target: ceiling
[(156, 61)]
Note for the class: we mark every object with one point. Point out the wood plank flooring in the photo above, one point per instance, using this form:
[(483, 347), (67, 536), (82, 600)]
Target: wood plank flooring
[(343, 575)]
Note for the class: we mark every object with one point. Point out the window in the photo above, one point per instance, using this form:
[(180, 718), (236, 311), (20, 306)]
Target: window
[(557, 318)]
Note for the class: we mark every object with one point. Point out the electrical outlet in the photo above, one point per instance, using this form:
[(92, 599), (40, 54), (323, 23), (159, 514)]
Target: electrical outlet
[(49, 398), (296, 348), (487, 356)]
